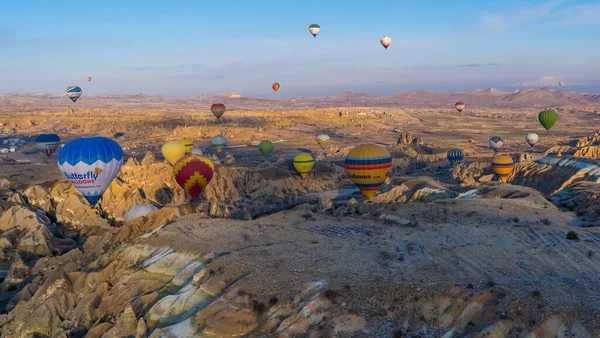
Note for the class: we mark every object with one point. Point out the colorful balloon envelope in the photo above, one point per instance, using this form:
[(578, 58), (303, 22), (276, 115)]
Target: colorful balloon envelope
[(502, 166), (323, 140), (368, 166), (218, 109), (275, 86), (304, 163), (73, 92), (90, 164), (547, 118), (314, 29), (219, 142), (385, 41), (47, 143), (455, 155), (139, 211), (532, 138), (560, 84), (189, 145), (89, 78), (459, 106), (496, 143), (265, 147), (193, 173), (173, 151)]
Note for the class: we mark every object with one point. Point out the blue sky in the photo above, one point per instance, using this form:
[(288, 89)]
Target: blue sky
[(193, 47)]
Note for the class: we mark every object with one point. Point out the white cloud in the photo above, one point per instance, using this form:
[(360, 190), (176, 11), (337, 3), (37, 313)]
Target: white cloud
[(580, 15), (500, 22), (547, 80)]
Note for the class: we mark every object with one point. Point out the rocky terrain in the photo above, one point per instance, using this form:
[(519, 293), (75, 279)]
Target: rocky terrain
[(441, 251), (539, 98)]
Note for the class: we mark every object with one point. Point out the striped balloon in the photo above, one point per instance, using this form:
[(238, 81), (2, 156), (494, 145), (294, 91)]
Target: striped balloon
[(502, 166), (47, 143), (189, 145), (455, 155), (547, 118), (368, 166), (193, 173), (275, 86), (218, 109), (90, 164), (73, 92), (304, 163)]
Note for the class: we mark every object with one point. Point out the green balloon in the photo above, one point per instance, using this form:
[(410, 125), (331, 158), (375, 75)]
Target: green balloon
[(547, 118), (265, 147)]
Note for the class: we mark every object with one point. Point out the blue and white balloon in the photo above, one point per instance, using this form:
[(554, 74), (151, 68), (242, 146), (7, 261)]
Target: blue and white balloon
[(73, 92), (90, 164), (139, 211), (47, 143)]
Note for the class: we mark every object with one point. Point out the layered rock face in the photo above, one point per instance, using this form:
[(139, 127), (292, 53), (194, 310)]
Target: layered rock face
[(268, 254)]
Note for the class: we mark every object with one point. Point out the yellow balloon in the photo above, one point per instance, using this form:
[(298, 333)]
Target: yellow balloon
[(189, 145), (368, 166), (304, 164), (173, 151)]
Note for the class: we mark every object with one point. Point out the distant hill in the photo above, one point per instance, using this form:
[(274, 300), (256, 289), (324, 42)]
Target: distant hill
[(534, 98)]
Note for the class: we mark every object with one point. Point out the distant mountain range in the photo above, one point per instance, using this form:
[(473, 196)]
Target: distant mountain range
[(535, 98)]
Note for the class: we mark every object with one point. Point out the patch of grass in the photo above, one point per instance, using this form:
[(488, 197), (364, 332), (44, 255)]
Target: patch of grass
[(573, 236)]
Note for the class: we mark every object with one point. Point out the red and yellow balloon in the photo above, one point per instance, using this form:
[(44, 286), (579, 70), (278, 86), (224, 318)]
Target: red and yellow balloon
[(193, 173)]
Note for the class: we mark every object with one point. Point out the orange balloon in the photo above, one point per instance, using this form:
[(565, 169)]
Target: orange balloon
[(275, 86)]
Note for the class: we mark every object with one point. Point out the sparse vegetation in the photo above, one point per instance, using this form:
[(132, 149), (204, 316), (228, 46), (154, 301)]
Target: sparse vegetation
[(573, 236), (536, 294), (545, 221)]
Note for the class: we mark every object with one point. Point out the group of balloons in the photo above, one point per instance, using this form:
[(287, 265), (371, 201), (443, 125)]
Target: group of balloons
[(503, 165)]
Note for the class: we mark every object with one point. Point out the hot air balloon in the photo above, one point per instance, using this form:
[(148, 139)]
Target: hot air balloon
[(560, 83), (532, 138), (219, 142), (47, 143), (459, 106), (89, 78), (314, 29), (196, 151), (218, 109), (189, 145), (385, 41), (275, 86), (139, 211), (73, 92), (502, 166), (265, 147), (323, 140), (91, 163), (368, 166), (303, 163), (547, 118), (496, 143), (193, 173), (455, 155), (173, 151)]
